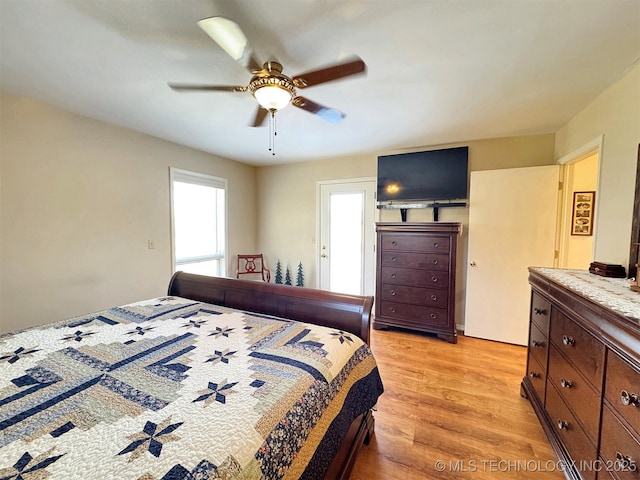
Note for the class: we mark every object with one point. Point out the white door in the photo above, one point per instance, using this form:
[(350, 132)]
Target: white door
[(346, 236), (512, 225)]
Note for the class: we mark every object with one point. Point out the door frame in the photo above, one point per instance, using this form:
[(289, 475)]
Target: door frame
[(566, 201), (318, 236)]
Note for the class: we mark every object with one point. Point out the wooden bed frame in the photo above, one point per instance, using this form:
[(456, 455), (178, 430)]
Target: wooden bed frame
[(349, 313)]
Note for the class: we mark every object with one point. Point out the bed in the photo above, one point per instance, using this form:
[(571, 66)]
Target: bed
[(219, 379)]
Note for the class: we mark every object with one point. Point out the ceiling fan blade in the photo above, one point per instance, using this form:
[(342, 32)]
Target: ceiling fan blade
[(261, 114), (327, 114), (209, 88), (231, 39), (328, 74)]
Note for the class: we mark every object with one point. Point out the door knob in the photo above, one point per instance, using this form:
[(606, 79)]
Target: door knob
[(473, 264)]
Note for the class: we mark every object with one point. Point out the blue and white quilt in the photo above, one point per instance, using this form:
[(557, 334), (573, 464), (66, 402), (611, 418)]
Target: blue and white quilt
[(175, 389)]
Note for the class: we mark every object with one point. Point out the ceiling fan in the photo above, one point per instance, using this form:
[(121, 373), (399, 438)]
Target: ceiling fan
[(271, 88)]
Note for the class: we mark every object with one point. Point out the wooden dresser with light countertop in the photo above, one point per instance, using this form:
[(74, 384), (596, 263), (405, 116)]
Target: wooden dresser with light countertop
[(583, 371)]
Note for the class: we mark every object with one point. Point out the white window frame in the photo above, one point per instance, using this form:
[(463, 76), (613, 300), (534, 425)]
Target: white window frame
[(187, 176)]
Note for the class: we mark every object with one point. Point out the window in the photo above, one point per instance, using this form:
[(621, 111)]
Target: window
[(198, 207), (346, 223)]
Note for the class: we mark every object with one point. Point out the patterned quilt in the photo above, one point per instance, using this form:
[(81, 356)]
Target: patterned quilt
[(175, 389)]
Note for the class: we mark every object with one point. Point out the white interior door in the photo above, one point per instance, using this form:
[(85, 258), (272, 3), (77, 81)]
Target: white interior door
[(346, 234), (512, 225)]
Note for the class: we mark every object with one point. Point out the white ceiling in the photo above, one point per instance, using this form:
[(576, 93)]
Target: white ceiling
[(438, 71)]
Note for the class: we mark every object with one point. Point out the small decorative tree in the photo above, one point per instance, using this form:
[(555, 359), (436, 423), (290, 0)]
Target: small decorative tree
[(278, 273), (300, 276), (287, 277)]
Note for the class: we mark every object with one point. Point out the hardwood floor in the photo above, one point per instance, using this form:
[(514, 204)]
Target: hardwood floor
[(453, 412)]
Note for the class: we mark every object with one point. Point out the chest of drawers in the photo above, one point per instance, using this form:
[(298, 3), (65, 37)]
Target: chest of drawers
[(415, 279), (583, 373)]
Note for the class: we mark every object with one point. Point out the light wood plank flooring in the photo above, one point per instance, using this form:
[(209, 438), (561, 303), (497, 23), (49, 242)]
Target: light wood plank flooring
[(453, 412)]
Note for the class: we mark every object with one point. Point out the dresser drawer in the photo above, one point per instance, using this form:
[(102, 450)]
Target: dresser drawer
[(414, 295), (538, 344), (576, 393), (619, 448), (579, 347), (414, 315), (604, 473), (427, 261), (540, 312), (537, 376), (415, 243), (622, 390), (414, 277), (571, 433)]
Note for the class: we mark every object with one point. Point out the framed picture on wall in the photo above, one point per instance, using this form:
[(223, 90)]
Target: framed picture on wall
[(582, 218)]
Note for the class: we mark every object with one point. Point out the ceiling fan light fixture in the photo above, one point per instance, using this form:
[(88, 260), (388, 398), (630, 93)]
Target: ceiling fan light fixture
[(272, 97), (273, 91)]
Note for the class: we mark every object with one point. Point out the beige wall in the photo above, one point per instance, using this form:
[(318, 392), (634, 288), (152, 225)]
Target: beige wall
[(79, 200), (287, 209), (615, 115), (287, 199)]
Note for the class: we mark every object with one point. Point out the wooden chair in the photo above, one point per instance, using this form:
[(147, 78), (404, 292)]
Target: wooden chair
[(253, 265)]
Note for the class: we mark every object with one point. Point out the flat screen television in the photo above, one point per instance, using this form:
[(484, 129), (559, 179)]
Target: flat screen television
[(434, 175)]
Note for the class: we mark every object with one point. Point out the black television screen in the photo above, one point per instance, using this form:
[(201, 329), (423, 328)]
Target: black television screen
[(423, 176)]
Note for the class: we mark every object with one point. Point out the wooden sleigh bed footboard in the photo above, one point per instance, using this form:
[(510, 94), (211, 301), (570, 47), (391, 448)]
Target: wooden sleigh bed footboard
[(349, 313)]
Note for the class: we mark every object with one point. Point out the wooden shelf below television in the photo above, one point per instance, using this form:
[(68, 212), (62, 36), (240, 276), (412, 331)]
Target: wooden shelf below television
[(403, 207)]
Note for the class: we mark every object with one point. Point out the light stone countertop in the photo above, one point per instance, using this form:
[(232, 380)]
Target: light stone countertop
[(613, 293)]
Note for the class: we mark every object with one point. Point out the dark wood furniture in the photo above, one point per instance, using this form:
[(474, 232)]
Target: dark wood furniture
[(252, 266), (583, 374), (635, 226), (349, 313), (416, 276)]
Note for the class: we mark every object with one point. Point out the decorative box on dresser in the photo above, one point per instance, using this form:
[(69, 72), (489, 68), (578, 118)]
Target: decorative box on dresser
[(415, 278), (583, 371)]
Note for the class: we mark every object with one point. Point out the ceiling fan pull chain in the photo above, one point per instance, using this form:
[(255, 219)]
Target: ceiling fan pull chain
[(272, 131), (270, 135)]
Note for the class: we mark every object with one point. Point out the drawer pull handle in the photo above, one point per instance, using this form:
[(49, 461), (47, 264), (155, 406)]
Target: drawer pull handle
[(625, 462), (394, 243), (392, 310), (566, 383), (629, 399), (539, 311), (436, 244), (433, 316), (434, 279), (393, 259), (393, 293), (534, 375), (537, 344), (393, 275), (435, 261), (568, 341), (434, 298), (562, 425)]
